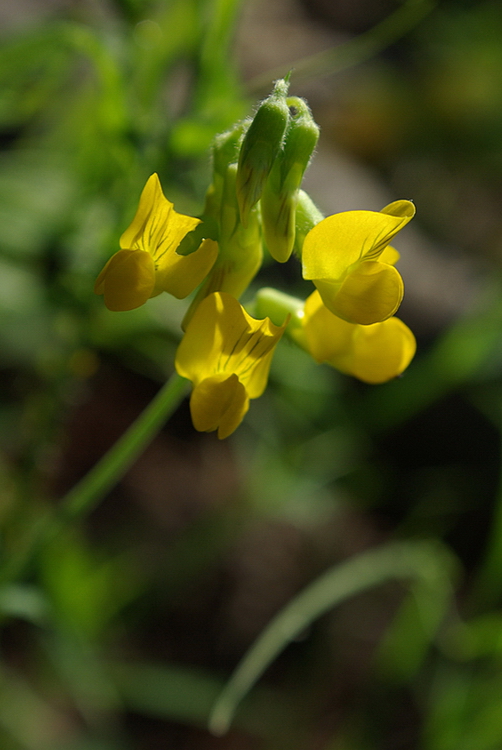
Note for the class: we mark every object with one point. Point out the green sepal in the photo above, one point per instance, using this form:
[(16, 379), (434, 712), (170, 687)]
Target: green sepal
[(207, 229)]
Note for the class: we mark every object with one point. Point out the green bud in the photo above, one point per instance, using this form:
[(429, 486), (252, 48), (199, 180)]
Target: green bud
[(225, 147), (300, 141), (260, 146), (240, 249), (280, 193), (224, 151), (237, 241), (278, 210), (229, 207), (307, 216)]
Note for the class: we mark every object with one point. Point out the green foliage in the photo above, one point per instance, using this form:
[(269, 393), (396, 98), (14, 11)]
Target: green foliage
[(356, 531)]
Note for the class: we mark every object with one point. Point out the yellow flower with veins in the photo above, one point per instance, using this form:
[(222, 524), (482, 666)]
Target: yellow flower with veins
[(226, 354), (147, 263), (348, 259), (373, 353)]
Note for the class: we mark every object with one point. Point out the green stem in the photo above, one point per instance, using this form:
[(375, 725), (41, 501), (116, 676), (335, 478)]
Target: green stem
[(396, 561), (114, 464), (86, 494)]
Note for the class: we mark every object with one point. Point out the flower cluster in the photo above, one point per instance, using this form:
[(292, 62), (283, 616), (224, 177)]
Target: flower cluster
[(255, 203)]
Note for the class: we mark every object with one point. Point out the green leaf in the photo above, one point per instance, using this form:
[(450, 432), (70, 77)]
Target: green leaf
[(398, 561)]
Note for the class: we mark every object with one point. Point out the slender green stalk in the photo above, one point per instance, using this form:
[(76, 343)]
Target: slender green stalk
[(356, 50), (87, 493), (114, 464), (398, 561)]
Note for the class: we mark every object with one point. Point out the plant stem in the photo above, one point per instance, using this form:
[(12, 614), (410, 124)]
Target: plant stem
[(87, 493), (114, 464), (420, 561)]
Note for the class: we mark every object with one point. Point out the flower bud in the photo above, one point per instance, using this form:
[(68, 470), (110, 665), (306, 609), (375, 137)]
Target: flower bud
[(307, 217), (225, 148), (240, 249), (260, 147), (225, 151), (280, 193)]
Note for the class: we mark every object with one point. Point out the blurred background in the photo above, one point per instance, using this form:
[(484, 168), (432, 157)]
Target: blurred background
[(124, 627)]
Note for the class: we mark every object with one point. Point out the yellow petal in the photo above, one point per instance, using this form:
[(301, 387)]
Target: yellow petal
[(382, 351), (156, 228), (219, 404), (221, 338), (179, 275), (327, 336), (373, 353), (370, 294), (404, 209), (127, 280), (339, 241), (390, 256), (200, 353)]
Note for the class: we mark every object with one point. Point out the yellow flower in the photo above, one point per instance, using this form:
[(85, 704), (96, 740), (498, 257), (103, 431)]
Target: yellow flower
[(147, 263), (345, 256), (373, 353), (226, 354)]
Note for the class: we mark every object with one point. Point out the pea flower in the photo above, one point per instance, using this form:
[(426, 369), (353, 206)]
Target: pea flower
[(373, 353), (348, 259), (226, 354), (147, 263)]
